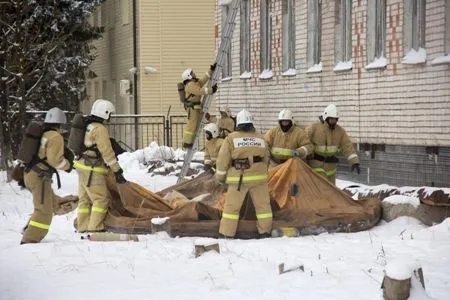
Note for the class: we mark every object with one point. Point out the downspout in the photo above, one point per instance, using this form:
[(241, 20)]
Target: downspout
[(135, 78)]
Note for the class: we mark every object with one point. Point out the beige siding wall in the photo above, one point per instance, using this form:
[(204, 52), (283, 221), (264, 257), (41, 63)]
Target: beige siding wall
[(174, 35), (114, 55), (401, 104)]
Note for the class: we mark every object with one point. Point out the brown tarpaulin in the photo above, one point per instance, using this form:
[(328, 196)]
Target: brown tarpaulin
[(299, 198)]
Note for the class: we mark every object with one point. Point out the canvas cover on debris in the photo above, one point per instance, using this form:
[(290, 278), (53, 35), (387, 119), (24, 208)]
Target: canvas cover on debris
[(299, 198)]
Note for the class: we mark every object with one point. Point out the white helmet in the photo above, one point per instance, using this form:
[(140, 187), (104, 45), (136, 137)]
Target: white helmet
[(212, 127), (55, 116), (285, 114), (330, 111), (244, 117), (226, 110), (187, 74), (102, 109)]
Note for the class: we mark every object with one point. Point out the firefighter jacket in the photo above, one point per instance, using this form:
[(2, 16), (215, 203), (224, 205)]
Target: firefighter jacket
[(52, 149), (212, 148), (327, 143), (226, 126), (284, 145), (244, 152), (196, 89), (97, 135)]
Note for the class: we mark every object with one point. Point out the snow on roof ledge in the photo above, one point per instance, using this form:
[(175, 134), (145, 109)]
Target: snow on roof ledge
[(289, 72), (343, 66), (316, 68), (378, 63), (415, 57), (445, 59), (246, 75), (401, 199), (401, 269), (266, 74)]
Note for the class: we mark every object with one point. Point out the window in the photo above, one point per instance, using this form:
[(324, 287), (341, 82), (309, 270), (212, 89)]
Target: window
[(314, 35), (447, 28), (414, 31), (343, 37), (266, 40), (245, 39), (288, 36), (376, 34), (125, 11), (226, 68)]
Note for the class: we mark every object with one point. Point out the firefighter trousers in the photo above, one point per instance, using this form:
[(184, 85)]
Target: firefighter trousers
[(93, 201), (44, 202), (326, 170), (259, 193), (191, 126)]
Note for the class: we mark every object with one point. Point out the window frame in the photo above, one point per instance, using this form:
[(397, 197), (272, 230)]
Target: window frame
[(414, 18), (314, 56), (344, 26), (266, 36), (447, 29), (376, 33), (227, 64), (288, 35), (245, 36)]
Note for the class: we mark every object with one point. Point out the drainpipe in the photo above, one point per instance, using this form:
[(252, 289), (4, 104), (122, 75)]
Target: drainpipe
[(135, 78)]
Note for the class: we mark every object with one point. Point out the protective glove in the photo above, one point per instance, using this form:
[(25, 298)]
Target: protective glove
[(357, 168), (214, 88), (300, 153), (213, 67), (119, 177)]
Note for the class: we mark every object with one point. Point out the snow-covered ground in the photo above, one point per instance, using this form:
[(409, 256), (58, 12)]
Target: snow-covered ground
[(336, 266)]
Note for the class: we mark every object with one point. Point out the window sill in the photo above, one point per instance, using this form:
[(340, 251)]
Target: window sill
[(266, 74), (414, 57), (226, 79), (343, 66), (289, 73), (246, 75), (317, 68), (378, 63), (441, 60)]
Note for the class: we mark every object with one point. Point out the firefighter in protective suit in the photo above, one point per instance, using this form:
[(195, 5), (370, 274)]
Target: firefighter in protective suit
[(93, 167), (212, 145), (287, 140), (38, 176), (242, 163), (328, 139), (225, 123), (195, 89)]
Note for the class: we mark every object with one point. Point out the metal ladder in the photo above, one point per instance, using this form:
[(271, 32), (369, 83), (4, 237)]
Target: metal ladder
[(227, 35)]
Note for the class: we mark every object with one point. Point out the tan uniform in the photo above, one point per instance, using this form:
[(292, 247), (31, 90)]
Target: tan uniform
[(226, 126), (39, 181), (237, 149), (212, 148), (327, 143), (93, 193), (283, 145), (194, 91)]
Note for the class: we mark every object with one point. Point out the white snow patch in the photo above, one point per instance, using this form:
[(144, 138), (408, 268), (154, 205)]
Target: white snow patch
[(148, 70), (159, 221), (226, 79), (401, 269), (290, 72), (246, 75), (266, 74), (415, 57), (401, 199), (343, 66), (378, 63), (445, 59), (224, 2), (205, 242), (316, 68)]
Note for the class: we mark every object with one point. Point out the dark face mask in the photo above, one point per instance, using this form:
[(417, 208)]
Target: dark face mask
[(208, 135), (331, 126), (285, 128)]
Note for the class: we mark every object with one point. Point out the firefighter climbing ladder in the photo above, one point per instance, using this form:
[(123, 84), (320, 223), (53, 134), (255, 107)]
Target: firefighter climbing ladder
[(227, 35)]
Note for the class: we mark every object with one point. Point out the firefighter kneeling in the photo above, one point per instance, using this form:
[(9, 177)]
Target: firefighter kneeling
[(242, 162)]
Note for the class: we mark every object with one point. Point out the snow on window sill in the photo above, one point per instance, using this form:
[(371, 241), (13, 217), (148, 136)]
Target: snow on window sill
[(226, 79), (289, 72), (378, 63), (266, 74), (246, 75), (315, 69), (224, 2), (441, 60), (414, 57), (343, 66)]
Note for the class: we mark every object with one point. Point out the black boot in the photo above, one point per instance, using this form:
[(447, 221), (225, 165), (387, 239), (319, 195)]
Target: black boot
[(221, 236), (264, 235), (187, 146)]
